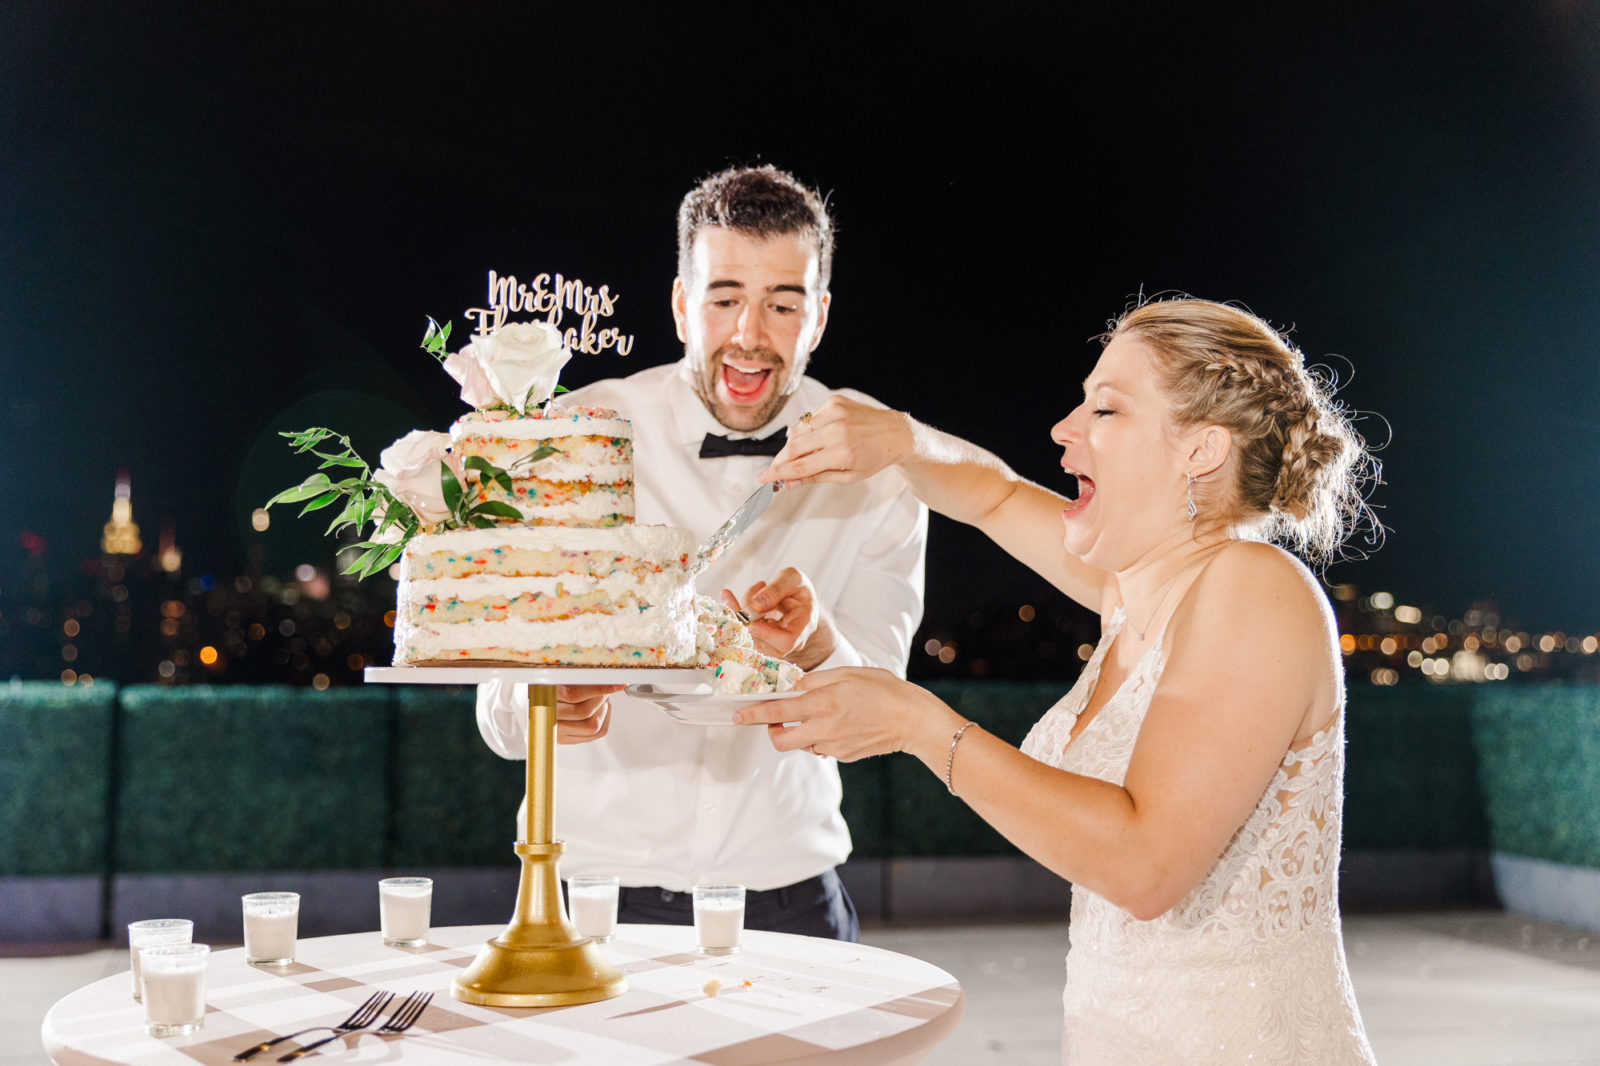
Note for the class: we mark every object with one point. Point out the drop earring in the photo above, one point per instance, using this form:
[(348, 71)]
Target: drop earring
[(1189, 507)]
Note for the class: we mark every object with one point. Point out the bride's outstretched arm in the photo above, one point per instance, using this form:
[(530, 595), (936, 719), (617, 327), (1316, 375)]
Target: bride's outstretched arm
[(1250, 666), (846, 440)]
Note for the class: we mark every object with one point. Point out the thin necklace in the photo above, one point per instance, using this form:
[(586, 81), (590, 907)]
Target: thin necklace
[(1168, 588)]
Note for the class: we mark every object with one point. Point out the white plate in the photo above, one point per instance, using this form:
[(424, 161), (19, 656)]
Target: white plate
[(703, 707)]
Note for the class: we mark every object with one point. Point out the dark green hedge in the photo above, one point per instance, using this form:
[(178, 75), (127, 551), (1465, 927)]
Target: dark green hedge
[(455, 800), (254, 778), (55, 774), (1411, 772), (1539, 755)]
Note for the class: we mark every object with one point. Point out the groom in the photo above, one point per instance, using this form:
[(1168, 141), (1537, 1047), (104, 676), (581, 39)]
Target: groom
[(836, 568)]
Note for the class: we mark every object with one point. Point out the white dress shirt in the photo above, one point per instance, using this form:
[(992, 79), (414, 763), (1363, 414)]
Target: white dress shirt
[(659, 802)]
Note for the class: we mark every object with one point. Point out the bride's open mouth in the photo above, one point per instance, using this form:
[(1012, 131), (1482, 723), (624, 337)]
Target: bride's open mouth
[(1078, 498)]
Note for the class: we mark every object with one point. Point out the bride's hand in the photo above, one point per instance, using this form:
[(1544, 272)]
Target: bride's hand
[(849, 713), (844, 440)]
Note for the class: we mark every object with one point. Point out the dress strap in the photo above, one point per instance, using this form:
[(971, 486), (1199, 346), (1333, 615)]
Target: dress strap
[(1161, 635)]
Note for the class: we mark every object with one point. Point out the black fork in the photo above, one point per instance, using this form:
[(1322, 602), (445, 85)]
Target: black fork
[(360, 1018), (407, 1013), (403, 1018)]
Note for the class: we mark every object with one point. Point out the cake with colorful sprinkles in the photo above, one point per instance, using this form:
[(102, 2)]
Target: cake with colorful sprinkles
[(568, 466), (549, 596)]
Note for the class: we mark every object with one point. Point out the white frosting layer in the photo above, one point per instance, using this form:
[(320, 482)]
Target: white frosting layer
[(663, 587), (656, 627), (511, 428), (660, 544), (586, 511)]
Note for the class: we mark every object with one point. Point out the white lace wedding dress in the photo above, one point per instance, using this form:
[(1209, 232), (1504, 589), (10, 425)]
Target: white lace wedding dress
[(1250, 967)]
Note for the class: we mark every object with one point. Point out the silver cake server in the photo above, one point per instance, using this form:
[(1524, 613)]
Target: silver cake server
[(734, 527)]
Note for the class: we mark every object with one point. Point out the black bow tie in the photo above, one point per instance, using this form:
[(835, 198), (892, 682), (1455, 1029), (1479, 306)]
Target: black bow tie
[(715, 447)]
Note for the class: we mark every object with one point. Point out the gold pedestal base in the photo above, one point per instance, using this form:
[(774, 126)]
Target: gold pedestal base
[(503, 976), (540, 960)]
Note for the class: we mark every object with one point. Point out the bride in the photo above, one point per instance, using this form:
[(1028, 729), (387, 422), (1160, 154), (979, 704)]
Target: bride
[(1189, 786)]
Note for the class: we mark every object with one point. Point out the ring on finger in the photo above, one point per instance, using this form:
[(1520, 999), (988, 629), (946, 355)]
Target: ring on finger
[(805, 419)]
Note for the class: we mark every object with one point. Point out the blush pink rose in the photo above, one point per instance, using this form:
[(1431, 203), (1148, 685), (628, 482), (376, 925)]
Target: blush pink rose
[(467, 369), (409, 468)]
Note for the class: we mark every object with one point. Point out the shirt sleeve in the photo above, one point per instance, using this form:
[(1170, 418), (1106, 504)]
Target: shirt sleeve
[(503, 718), (877, 614)]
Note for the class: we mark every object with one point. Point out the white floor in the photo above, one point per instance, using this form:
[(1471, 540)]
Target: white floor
[(1449, 989), (1436, 989)]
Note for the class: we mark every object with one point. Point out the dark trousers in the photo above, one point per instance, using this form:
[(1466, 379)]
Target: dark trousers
[(818, 906)]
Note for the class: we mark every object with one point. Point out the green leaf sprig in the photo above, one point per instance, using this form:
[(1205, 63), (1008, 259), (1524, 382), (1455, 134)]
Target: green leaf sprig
[(436, 338), (369, 501), (481, 515)]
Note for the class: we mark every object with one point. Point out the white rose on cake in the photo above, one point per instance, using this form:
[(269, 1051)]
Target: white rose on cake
[(522, 361), (409, 468)]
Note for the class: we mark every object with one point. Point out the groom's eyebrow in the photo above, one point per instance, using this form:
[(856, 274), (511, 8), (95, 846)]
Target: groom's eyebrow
[(729, 283)]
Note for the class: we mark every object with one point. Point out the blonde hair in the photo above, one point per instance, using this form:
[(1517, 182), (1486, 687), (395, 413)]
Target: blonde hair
[(1301, 468)]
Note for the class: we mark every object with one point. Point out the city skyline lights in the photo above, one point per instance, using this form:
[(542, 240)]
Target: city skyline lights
[(129, 617)]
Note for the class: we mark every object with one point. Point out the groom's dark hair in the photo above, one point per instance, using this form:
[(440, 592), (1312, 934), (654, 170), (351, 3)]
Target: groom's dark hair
[(761, 202)]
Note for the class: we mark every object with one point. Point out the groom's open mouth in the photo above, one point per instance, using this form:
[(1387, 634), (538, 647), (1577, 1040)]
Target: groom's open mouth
[(745, 381)]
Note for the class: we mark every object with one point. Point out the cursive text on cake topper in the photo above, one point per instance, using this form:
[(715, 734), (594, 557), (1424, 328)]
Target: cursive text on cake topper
[(553, 296)]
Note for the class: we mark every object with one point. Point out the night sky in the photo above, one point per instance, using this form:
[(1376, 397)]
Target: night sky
[(216, 223)]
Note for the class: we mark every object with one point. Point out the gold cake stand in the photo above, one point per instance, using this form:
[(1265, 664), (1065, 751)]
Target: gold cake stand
[(539, 960)]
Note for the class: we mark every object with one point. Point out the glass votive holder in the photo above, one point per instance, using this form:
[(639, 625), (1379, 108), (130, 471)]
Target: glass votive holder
[(405, 906), (271, 924), (592, 905), (151, 933), (174, 977), (718, 918)]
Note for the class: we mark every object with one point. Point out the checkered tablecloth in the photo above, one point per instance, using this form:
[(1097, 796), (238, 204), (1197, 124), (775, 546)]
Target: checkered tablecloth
[(782, 999)]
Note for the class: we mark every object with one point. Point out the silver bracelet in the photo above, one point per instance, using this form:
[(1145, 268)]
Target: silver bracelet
[(950, 763)]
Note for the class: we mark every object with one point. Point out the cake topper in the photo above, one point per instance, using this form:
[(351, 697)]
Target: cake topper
[(514, 365), (552, 296)]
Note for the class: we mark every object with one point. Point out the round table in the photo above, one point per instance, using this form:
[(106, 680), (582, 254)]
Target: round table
[(783, 999)]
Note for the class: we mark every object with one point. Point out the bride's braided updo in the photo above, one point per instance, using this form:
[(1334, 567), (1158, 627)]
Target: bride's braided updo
[(1300, 467)]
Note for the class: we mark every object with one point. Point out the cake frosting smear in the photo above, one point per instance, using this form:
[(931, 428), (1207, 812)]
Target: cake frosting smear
[(725, 645)]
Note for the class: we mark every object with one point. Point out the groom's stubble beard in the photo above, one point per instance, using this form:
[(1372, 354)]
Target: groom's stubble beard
[(735, 416)]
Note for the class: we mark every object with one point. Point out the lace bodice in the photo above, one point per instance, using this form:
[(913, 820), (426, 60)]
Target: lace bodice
[(1250, 966)]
